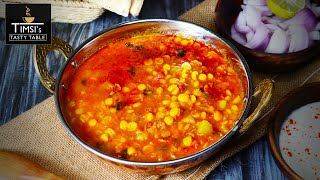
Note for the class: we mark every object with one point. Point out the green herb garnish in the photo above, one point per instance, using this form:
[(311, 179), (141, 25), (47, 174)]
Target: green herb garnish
[(129, 45), (147, 92), (132, 71), (84, 82), (164, 148), (181, 52), (139, 47), (120, 105), (207, 95), (124, 154)]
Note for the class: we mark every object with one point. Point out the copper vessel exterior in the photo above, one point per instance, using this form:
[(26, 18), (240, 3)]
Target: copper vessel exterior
[(157, 26)]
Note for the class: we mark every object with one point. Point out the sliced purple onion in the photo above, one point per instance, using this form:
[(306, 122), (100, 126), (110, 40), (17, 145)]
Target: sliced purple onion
[(255, 2), (279, 42), (272, 27), (257, 28), (249, 35), (237, 36), (305, 17), (253, 17), (260, 39), (264, 10), (241, 23), (271, 20), (299, 37), (314, 35)]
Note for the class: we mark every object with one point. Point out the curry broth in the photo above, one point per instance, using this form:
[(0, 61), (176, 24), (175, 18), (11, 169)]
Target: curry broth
[(154, 98)]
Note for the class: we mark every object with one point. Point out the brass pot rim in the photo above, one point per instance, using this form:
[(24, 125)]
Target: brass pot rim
[(194, 156)]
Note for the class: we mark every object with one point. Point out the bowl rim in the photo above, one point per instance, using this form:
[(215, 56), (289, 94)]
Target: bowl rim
[(194, 156), (272, 136)]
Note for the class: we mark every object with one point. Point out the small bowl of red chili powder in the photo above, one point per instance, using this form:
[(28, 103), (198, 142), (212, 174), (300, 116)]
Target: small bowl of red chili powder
[(294, 133)]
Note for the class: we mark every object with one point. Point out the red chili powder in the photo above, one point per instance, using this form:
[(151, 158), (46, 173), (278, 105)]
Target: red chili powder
[(308, 151), (288, 132), (291, 121)]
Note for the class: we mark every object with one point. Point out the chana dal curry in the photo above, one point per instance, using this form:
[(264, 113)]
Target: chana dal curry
[(154, 98)]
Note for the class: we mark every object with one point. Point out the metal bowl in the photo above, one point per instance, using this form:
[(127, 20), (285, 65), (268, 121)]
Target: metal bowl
[(162, 26)]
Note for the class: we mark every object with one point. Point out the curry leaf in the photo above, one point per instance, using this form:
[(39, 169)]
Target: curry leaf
[(147, 92), (132, 71), (120, 105), (181, 52), (139, 47), (129, 45)]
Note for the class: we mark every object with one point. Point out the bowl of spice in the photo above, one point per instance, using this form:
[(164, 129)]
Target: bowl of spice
[(294, 133)]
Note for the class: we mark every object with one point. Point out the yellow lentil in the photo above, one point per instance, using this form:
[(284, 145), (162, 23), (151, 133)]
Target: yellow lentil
[(123, 125), (92, 122), (149, 116), (158, 60), (148, 62), (168, 120), (187, 141), (184, 42), (141, 87), (131, 151), (202, 77), (104, 137), (174, 112), (186, 66), (132, 126)]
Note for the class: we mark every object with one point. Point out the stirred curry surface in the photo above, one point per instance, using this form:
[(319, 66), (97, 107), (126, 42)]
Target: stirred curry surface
[(154, 98)]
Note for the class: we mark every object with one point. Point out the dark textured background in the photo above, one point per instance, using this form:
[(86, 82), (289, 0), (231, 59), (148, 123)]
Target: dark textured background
[(20, 88)]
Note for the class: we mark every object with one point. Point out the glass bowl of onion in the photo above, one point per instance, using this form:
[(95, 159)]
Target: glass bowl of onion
[(270, 43)]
